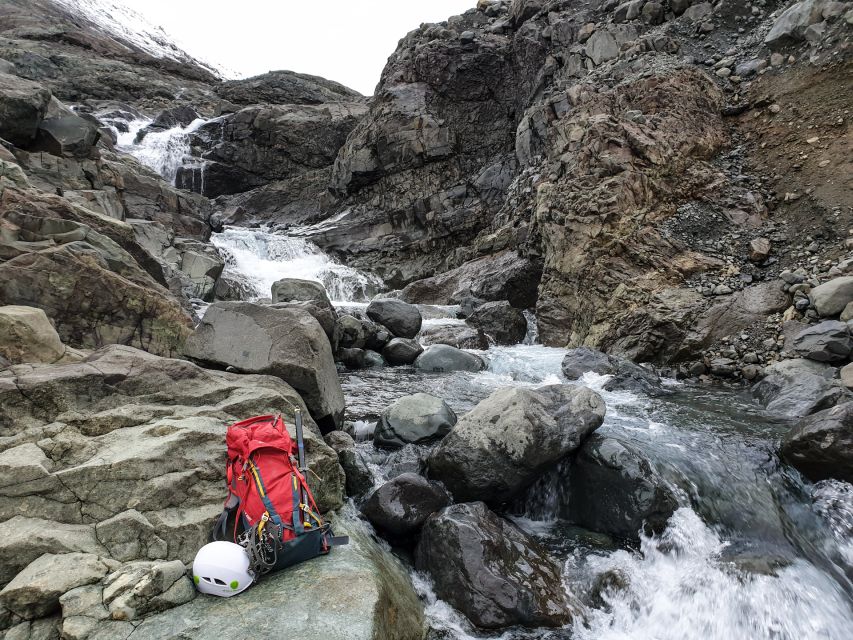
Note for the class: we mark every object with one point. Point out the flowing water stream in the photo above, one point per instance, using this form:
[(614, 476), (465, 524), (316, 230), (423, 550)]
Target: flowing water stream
[(754, 552)]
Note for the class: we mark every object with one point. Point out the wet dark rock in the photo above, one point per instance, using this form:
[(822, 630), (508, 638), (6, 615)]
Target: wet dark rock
[(349, 333), (401, 506), (441, 358), (627, 376), (615, 490), (511, 438), (401, 351), (359, 479), (827, 341), (821, 446), (375, 335), (415, 419), (402, 319), (67, 135), (458, 336), (296, 290), (351, 357), (491, 571), (797, 388), (373, 359), (500, 321)]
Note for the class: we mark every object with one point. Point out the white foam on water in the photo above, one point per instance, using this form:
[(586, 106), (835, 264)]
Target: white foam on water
[(163, 151), (259, 258), (678, 588)]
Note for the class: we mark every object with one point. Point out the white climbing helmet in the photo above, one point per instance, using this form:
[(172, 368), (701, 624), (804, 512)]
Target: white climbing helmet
[(222, 569)]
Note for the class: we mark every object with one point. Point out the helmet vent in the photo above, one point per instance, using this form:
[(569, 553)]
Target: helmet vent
[(219, 582)]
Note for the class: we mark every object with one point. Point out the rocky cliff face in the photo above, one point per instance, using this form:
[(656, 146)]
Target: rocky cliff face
[(615, 149)]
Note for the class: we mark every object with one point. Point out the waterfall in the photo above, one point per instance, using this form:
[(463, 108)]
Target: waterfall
[(164, 151), (258, 258)]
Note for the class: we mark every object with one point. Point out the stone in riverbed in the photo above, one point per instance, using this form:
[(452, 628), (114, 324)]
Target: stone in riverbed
[(500, 321), (627, 376), (288, 343), (401, 351), (828, 341), (401, 318), (614, 490), (297, 290), (797, 388), (401, 506), (349, 333), (821, 446), (359, 479), (508, 440), (491, 570), (441, 358), (455, 335), (418, 419)]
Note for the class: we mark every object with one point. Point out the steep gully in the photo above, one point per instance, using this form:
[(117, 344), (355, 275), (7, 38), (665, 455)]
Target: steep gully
[(753, 551)]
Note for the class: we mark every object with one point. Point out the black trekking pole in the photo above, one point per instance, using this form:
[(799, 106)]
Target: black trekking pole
[(303, 468)]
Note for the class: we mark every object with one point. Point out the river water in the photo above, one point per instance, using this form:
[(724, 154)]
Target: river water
[(754, 552)]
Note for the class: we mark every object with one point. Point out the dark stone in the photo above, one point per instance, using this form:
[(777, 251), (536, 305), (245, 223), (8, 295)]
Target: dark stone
[(359, 479), (797, 388), (627, 376), (400, 351), (828, 341), (441, 358), (454, 335), (500, 321), (491, 571), (415, 419), (614, 490), (400, 318), (821, 446), (401, 506)]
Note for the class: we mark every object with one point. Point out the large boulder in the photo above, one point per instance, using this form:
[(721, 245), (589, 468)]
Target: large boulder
[(790, 27), (288, 343), (285, 87), (500, 321), (401, 318), (357, 592), (35, 592), (26, 335), (827, 341), (137, 589), (126, 430), (401, 506), (821, 446), (442, 358), (627, 376), (67, 135), (23, 105), (297, 290), (459, 336), (491, 571), (401, 351), (797, 388), (418, 419), (614, 489), (831, 297), (502, 276), (508, 440)]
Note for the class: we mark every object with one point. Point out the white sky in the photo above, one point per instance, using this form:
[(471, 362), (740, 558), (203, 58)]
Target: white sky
[(344, 40)]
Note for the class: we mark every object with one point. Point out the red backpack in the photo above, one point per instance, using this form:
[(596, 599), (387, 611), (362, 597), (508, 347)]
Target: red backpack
[(270, 509)]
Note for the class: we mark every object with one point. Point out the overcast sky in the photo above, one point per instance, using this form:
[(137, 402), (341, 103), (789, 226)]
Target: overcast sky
[(344, 40)]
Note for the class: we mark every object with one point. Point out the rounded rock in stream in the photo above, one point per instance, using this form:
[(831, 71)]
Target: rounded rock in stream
[(400, 351), (492, 571), (508, 440), (500, 321), (821, 446), (401, 318), (441, 358), (627, 375), (615, 490), (418, 419), (401, 506)]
